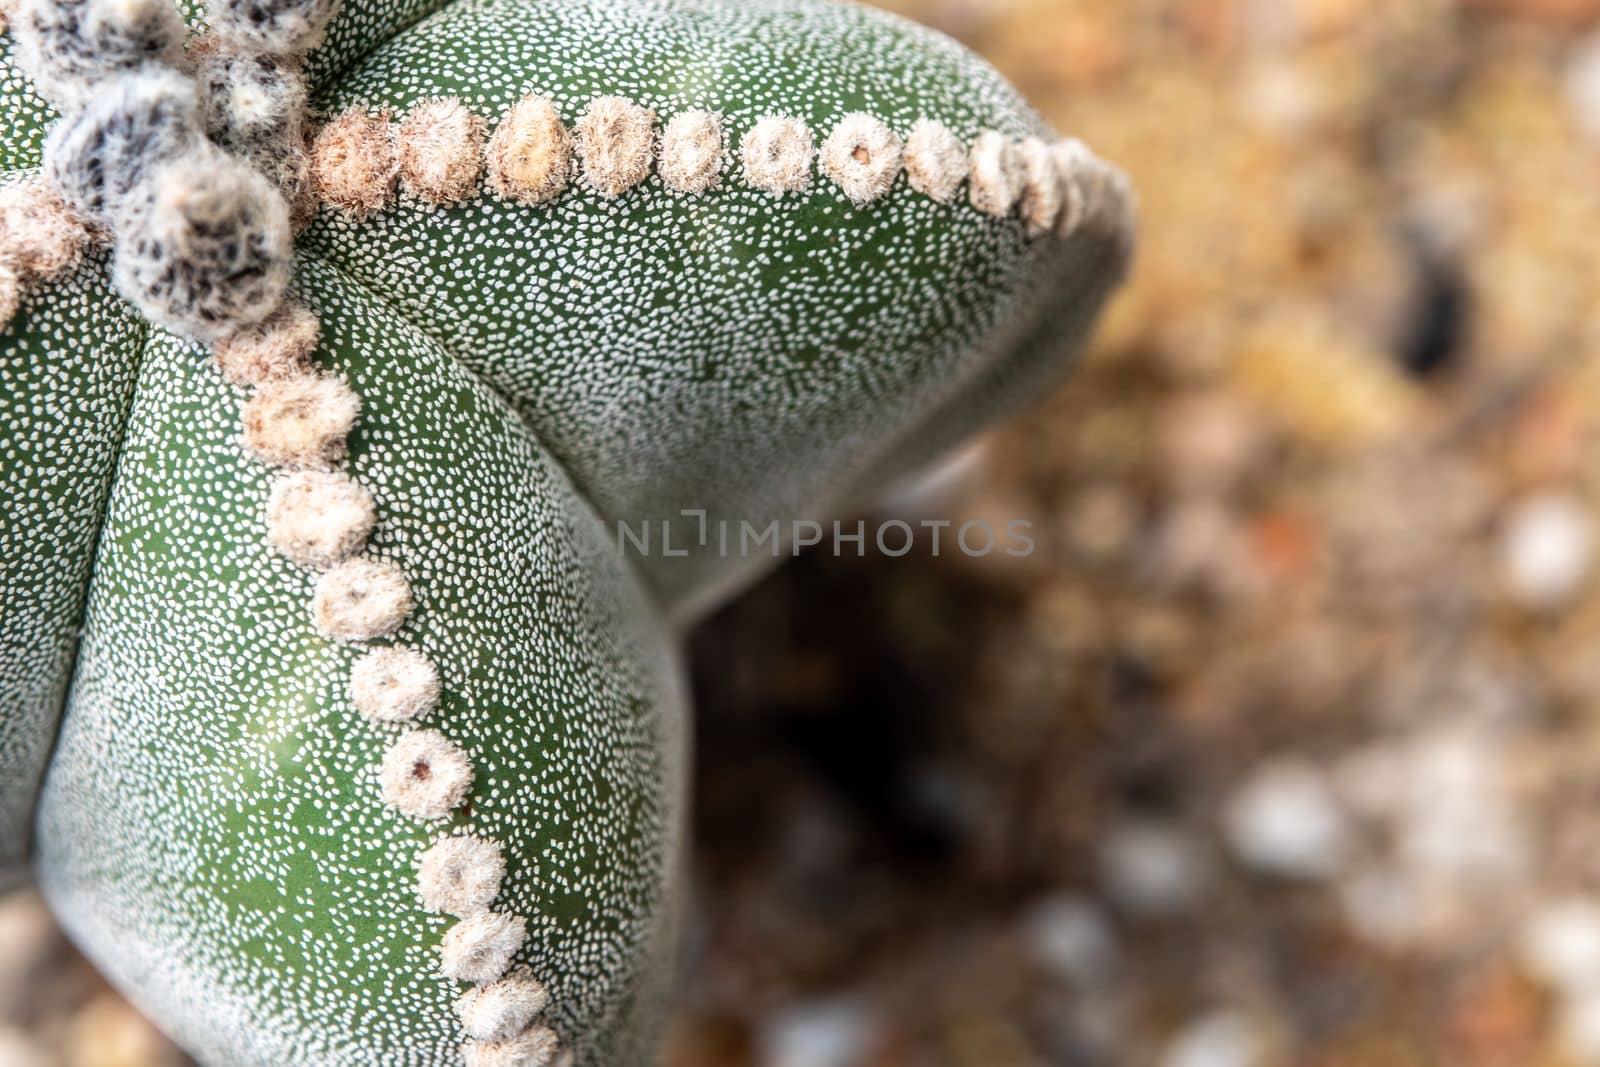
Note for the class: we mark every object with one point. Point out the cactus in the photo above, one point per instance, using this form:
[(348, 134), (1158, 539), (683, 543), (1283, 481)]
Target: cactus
[(334, 721)]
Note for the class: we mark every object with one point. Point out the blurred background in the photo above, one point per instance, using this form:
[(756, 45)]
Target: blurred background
[(1284, 746)]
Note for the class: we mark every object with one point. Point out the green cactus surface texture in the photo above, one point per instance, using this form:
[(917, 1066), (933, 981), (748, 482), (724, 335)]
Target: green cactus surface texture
[(182, 767)]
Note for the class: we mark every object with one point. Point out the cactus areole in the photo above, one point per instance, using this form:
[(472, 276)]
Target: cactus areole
[(336, 723)]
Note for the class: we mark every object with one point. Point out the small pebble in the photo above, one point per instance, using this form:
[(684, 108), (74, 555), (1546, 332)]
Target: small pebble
[(1153, 869), (1547, 551), (1284, 820), (1070, 936), (1222, 1039)]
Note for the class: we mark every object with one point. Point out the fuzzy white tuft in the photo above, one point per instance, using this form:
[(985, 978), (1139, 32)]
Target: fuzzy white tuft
[(537, 1047), (69, 48), (361, 599), (317, 518), (530, 154), (616, 141), (425, 775), (205, 246), (502, 1009), (777, 155), (40, 237), (863, 157), (1073, 162), (692, 149), (280, 346), (936, 161), (300, 422), (996, 177), (271, 27), (255, 108), (394, 684), (353, 163), (460, 875), (1041, 187), (10, 295), (96, 157), (480, 948), (440, 151)]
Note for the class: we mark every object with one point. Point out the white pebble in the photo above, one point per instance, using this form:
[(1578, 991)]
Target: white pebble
[(1548, 550), (1579, 1028), (1069, 935), (1152, 868), (1383, 908), (1284, 820), (1560, 944), (1221, 1039), (818, 1034)]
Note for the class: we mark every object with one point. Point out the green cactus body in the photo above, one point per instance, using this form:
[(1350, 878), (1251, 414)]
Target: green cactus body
[(209, 826)]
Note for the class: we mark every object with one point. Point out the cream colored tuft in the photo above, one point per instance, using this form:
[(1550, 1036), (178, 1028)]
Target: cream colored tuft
[(692, 149), (425, 775), (480, 948), (863, 157), (616, 141), (530, 154), (777, 154), (10, 294), (1041, 187), (39, 234), (936, 161), (460, 875), (354, 166), (317, 518), (504, 1008), (361, 599), (440, 151), (280, 346), (537, 1047), (300, 422), (996, 178), (1074, 163), (394, 684)]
